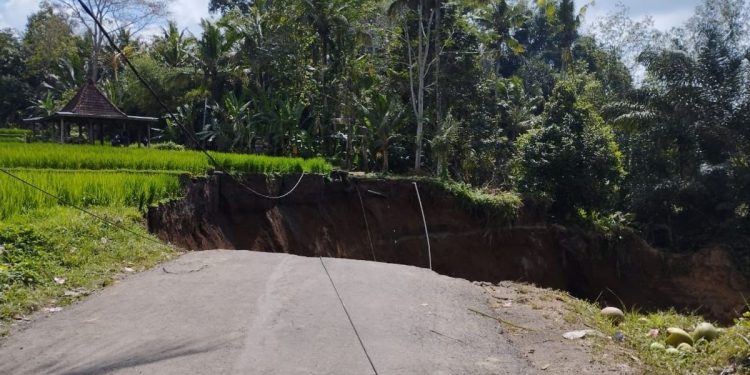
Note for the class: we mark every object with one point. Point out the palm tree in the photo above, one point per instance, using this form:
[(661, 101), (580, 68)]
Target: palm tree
[(334, 42), (213, 55), (173, 48), (503, 20), (563, 14), (112, 59)]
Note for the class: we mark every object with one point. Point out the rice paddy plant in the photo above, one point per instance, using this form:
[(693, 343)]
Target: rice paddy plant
[(84, 188), (56, 156), (5, 138), (14, 135), (14, 131)]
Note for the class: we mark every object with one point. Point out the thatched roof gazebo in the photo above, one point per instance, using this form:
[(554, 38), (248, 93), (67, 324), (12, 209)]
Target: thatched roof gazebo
[(89, 108)]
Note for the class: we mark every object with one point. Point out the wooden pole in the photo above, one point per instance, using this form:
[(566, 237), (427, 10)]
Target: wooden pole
[(148, 132), (140, 136), (62, 130), (101, 134)]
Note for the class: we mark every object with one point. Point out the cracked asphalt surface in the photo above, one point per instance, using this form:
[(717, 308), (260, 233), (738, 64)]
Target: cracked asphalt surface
[(242, 312)]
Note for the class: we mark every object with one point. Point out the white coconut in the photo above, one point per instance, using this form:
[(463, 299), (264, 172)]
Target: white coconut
[(613, 314)]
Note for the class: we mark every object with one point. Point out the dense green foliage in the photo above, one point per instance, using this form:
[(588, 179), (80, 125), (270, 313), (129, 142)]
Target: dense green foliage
[(620, 122), (55, 156), (572, 159)]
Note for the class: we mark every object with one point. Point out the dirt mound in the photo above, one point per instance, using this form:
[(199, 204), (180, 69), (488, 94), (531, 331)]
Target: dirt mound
[(325, 216)]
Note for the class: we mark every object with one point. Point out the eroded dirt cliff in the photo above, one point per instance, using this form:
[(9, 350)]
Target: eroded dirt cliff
[(325, 217)]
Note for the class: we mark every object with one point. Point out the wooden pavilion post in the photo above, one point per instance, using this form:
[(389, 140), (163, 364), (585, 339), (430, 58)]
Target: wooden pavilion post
[(62, 131), (148, 136), (90, 127), (101, 134)]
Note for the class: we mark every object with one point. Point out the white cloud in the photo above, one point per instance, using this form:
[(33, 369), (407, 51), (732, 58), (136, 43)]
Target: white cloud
[(13, 13), (188, 14), (667, 20)]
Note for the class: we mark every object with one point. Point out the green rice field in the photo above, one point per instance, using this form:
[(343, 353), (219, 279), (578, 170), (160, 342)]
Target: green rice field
[(84, 188), (104, 176), (14, 135), (90, 157)]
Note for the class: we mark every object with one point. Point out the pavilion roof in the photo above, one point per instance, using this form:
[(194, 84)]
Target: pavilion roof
[(90, 103)]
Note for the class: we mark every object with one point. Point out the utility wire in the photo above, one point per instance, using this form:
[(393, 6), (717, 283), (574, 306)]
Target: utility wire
[(173, 117), (367, 225), (213, 161), (62, 201), (424, 220), (361, 343)]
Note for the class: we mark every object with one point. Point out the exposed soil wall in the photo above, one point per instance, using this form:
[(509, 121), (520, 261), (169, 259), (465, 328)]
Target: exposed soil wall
[(324, 217)]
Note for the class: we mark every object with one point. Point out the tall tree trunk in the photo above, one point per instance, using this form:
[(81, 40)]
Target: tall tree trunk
[(423, 46), (364, 163), (438, 101), (349, 144), (94, 63), (420, 92), (384, 151), (417, 84)]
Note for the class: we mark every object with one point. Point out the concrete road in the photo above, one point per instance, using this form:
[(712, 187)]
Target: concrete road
[(237, 312)]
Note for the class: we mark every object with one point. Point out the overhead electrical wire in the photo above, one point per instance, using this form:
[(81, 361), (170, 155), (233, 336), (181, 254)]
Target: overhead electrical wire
[(210, 158), (63, 202), (174, 118)]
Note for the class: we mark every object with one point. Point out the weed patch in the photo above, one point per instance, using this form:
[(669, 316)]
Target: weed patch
[(731, 351), (54, 256)]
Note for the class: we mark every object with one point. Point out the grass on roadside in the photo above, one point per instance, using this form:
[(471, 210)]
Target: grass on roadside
[(54, 256), (730, 350), (493, 205), (92, 157)]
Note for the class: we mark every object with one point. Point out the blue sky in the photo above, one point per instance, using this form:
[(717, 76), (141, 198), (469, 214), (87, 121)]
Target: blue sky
[(666, 13), (188, 13)]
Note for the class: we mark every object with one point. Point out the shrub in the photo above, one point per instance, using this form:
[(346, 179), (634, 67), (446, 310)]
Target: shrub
[(571, 160), (170, 146)]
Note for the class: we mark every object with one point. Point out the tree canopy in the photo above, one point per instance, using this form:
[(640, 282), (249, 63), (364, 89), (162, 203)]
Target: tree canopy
[(618, 121)]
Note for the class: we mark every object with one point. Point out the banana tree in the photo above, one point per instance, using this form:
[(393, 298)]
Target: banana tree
[(381, 114)]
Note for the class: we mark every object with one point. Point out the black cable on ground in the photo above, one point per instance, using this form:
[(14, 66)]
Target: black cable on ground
[(62, 201), (343, 306), (172, 116)]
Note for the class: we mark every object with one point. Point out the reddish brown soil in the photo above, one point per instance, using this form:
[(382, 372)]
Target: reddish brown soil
[(324, 217)]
